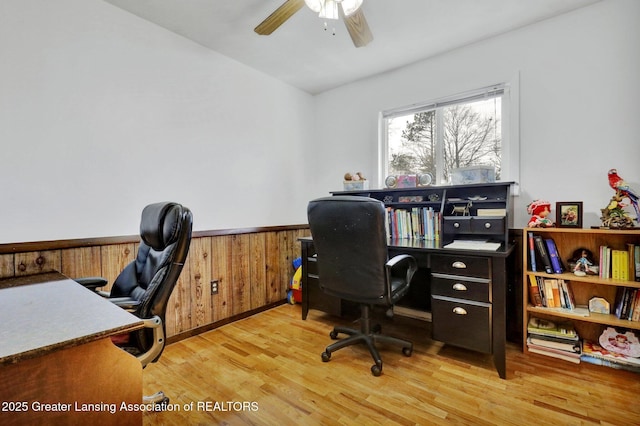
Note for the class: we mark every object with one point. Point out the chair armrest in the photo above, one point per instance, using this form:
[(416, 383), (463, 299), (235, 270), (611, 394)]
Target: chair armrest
[(401, 259), (403, 263), (127, 303), (92, 283)]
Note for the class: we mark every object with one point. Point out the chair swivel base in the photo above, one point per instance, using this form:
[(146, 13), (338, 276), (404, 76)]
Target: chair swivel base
[(366, 337)]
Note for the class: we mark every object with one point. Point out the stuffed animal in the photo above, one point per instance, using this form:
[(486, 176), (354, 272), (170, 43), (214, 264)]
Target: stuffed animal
[(539, 210)]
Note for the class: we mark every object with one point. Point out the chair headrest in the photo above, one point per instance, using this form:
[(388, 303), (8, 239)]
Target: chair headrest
[(160, 224)]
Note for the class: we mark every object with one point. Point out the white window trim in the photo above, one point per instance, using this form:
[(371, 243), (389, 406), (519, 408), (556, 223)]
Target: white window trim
[(510, 120)]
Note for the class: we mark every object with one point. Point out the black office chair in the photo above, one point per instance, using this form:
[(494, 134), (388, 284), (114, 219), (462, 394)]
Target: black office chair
[(351, 243), (145, 285)]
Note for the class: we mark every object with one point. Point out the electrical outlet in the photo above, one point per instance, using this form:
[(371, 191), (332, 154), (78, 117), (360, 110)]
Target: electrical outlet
[(214, 287)]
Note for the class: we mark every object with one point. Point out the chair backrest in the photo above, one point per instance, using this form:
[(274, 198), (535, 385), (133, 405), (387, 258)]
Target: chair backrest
[(350, 239), (165, 232)]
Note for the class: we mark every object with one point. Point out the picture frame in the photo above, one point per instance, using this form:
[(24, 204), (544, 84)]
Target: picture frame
[(569, 214)]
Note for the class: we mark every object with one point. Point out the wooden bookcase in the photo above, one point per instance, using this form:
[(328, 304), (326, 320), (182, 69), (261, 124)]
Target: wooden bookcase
[(584, 288)]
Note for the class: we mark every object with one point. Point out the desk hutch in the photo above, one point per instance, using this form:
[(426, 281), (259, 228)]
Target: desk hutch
[(463, 289)]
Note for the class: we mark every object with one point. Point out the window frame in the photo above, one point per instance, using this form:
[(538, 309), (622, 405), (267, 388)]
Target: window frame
[(510, 144)]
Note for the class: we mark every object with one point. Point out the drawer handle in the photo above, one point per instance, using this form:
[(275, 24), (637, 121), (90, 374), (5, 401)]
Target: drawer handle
[(459, 265), (459, 311), (487, 225), (456, 225), (459, 287)]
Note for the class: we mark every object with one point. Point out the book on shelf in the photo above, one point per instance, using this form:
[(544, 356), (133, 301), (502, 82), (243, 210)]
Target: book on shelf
[(620, 265), (491, 212), (558, 343), (543, 327), (554, 353), (542, 253), (605, 262), (541, 288), (635, 316), (552, 250), (567, 294), (632, 263), (534, 292), (627, 304), (555, 293), (532, 252), (593, 353), (636, 261)]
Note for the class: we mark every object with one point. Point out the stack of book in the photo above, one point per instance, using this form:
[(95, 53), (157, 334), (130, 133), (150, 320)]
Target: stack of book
[(555, 340), (616, 349)]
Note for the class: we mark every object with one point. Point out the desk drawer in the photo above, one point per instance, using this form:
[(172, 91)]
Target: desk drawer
[(453, 225), (475, 289), (488, 226), (468, 266), (467, 325)]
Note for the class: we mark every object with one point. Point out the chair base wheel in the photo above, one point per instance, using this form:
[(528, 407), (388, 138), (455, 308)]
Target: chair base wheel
[(376, 370), (333, 334), (407, 351), (326, 356)]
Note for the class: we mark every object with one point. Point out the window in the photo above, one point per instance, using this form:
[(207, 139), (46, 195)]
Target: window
[(436, 137)]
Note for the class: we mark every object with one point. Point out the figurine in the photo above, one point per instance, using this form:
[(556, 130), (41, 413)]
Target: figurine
[(614, 216), (583, 263), (539, 210), (622, 188)]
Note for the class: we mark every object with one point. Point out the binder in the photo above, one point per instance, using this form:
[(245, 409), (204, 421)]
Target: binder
[(556, 263), (544, 255)]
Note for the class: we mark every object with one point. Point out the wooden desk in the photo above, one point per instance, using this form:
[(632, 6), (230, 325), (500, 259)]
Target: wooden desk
[(482, 327), (57, 362)]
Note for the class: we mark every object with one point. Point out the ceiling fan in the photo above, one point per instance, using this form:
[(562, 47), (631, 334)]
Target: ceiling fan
[(352, 14)]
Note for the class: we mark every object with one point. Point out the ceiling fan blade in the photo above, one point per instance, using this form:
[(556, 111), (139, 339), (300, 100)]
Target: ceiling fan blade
[(358, 28), (279, 16)]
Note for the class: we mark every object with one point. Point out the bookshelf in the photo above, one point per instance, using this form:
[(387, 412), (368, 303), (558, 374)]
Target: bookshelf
[(475, 212), (568, 240)]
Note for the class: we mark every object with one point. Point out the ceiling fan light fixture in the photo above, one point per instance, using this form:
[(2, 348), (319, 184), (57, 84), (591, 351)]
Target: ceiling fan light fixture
[(349, 7), (315, 5), (328, 9)]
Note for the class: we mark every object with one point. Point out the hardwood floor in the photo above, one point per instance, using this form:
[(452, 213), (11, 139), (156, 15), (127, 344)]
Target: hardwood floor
[(266, 370)]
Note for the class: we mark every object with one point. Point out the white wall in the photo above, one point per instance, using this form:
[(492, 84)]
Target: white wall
[(579, 105), (102, 113), (95, 102)]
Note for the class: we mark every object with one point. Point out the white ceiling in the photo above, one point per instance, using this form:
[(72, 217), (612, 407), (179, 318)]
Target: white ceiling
[(302, 54)]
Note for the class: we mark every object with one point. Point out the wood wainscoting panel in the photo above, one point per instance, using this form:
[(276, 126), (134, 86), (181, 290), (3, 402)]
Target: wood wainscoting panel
[(37, 262), (221, 303), (258, 270), (253, 268), (7, 266), (81, 262), (199, 261), (240, 274)]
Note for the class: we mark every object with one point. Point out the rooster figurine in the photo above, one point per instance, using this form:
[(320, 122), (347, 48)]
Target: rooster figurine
[(623, 189)]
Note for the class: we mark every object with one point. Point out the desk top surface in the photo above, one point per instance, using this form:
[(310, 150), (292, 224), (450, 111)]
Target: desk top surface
[(434, 246), (47, 312)]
